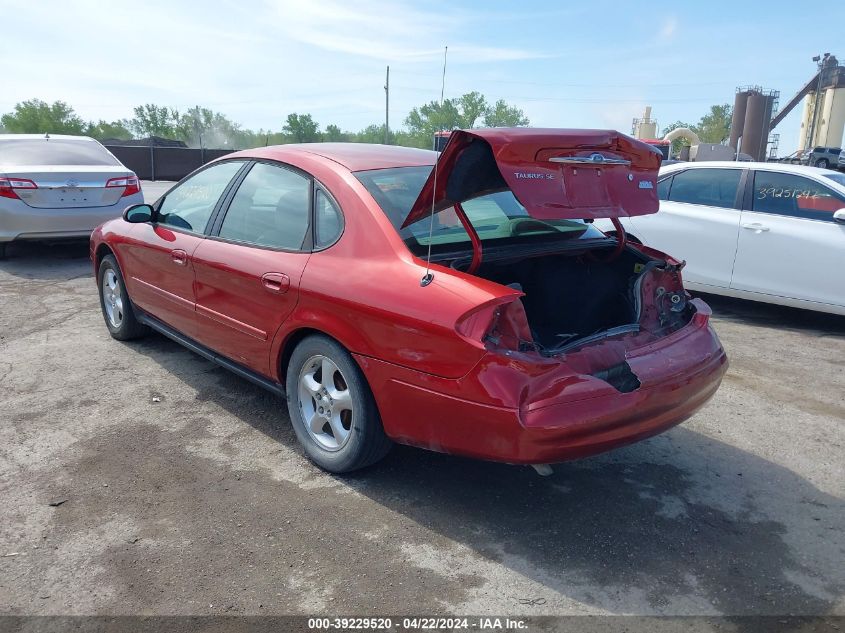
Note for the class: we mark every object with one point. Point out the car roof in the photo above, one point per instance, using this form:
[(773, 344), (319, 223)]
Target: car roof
[(43, 137), (803, 170), (352, 156)]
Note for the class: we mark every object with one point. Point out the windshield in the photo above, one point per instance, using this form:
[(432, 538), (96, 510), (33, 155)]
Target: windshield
[(496, 217), (16, 152), (837, 178)]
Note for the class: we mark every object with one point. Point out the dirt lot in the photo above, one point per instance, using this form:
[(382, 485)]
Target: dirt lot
[(183, 491)]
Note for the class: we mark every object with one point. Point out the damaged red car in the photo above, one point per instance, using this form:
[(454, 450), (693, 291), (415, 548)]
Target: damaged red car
[(463, 304)]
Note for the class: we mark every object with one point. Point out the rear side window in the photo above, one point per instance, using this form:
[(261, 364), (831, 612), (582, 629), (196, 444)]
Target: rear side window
[(190, 204), (328, 222), (54, 152), (270, 208), (663, 188), (710, 187), (795, 196)]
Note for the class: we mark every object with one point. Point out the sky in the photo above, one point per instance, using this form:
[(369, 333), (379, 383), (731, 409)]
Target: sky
[(565, 64)]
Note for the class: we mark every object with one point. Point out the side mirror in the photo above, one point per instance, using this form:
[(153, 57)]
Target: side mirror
[(839, 216), (138, 213)]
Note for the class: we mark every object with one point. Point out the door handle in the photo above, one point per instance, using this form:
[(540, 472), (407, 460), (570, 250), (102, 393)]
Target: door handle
[(756, 227), (278, 283), (179, 257)]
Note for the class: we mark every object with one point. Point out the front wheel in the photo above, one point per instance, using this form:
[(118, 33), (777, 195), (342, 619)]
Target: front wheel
[(823, 163), (114, 302), (331, 407)]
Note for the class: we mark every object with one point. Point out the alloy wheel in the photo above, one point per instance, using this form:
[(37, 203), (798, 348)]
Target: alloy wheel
[(325, 403), (112, 298)]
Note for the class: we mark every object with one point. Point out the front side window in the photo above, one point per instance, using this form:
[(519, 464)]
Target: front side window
[(793, 195), (191, 203), (497, 217), (710, 187), (270, 208)]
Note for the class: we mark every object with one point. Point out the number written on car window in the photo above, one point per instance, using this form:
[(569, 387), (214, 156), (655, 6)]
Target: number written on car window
[(795, 196)]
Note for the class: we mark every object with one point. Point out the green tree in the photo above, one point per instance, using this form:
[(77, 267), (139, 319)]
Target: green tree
[(104, 130), (36, 116), (334, 134), (503, 115), (302, 128), (153, 120), (462, 112), (374, 134), (472, 107), (715, 126)]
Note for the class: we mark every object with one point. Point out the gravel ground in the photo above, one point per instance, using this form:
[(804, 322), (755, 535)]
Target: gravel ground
[(141, 479)]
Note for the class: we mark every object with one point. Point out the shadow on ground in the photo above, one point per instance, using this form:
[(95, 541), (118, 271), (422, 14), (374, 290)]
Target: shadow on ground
[(771, 315), (681, 519), (51, 261)]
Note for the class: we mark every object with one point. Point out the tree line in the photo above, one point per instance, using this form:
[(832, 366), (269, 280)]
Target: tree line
[(203, 127)]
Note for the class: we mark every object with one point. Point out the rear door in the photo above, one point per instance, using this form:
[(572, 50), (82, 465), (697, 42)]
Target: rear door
[(248, 271), (157, 257), (789, 244), (698, 222)]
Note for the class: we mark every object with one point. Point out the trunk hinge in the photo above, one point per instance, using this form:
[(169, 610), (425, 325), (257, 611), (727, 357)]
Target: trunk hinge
[(473, 236)]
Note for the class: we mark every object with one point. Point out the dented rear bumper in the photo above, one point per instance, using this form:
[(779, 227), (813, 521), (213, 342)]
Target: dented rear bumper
[(506, 410)]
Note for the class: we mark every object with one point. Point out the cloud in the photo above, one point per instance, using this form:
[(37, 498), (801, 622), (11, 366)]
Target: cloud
[(669, 28), (387, 31)]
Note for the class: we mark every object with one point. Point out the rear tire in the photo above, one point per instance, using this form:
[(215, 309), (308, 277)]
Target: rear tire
[(118, 312), (3, 251), (331, 407), (823, 163)]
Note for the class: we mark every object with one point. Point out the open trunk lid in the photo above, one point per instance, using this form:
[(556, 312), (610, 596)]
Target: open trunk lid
[(553, 173)]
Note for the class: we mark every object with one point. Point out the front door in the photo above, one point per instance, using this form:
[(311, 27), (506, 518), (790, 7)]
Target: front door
[(248, 271), (789, 244), (158, 256)]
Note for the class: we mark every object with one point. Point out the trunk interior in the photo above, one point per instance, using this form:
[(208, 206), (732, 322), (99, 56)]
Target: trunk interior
[(570, 297)]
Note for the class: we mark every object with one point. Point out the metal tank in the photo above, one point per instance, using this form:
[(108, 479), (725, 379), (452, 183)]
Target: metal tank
[(755, 130), (738, 117)]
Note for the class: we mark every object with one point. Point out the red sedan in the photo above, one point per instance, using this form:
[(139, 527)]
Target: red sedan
[(464, 304)]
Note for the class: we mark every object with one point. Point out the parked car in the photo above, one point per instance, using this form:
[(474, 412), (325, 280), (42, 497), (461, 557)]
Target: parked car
[(528, 336), (841, 162), (823, 157), (762, 231), (56, 187)]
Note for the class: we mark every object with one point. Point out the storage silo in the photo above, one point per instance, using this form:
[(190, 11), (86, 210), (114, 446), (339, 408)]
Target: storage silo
[(738, 117), (755, 130)]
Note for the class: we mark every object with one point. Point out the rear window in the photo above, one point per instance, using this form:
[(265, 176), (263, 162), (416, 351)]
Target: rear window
[(496, 217), (838, 178), (16, 152)]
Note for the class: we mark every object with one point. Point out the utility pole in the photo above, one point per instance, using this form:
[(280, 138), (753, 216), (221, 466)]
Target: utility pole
[(387, 107)]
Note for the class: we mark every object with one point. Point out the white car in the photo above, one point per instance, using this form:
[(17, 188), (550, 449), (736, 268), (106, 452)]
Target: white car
[(56, 187), (762, 231)]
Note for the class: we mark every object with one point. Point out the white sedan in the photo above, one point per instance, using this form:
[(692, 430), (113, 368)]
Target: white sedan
[(762, 231)]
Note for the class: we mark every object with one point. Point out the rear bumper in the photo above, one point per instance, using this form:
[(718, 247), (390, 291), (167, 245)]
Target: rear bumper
[(586, 416), (21, 222)]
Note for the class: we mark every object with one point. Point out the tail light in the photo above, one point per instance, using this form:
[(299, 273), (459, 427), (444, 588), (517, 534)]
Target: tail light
[(8, 186), (500, 324), (131, 184)]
